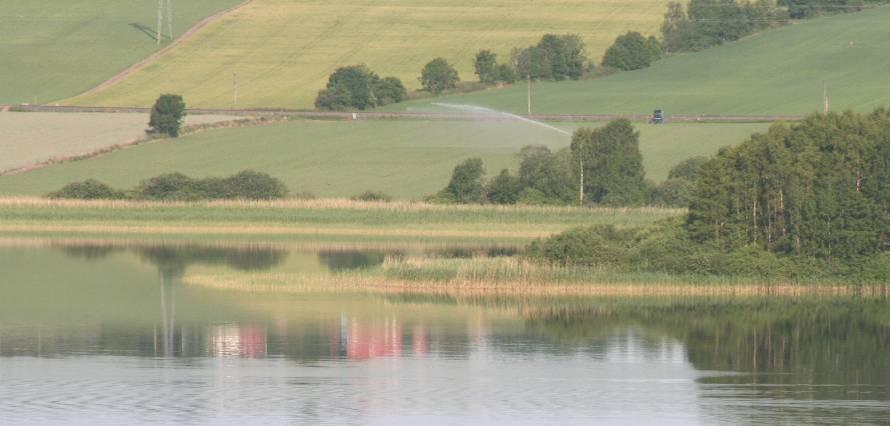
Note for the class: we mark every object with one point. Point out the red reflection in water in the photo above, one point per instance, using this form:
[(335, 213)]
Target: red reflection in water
[(237, 341), (376, 339)]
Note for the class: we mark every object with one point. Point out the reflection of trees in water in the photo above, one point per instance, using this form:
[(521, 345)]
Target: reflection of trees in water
[(172, 260), (338, 261), (807, 341)]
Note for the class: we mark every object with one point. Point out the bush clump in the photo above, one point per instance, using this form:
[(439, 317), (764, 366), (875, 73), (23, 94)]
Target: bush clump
[(372, 196), (246, 185), (89, 189)]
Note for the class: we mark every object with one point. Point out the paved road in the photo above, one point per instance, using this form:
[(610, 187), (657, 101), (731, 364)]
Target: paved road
[(373, 115)]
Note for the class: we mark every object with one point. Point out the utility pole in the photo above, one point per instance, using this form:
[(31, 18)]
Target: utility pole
[(170, 18), (160, 19), (529, 96), (234, 90), (825, 103), (581, 185)]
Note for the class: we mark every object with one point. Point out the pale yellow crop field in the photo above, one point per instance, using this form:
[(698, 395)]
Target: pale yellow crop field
[(278, 53)]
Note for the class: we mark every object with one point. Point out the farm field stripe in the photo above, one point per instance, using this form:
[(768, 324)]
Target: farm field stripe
[(121, 76)]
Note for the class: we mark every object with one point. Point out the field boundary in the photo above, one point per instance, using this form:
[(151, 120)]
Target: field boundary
[(186, 36), (377, 115)]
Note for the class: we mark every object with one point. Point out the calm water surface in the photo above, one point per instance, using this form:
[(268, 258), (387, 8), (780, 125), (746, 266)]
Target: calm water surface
[(105, 334)]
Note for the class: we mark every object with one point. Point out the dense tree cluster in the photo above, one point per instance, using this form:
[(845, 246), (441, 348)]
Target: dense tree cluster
[(612, 165), (357, 87), (803, 201), (820, 189), (799, 9), (632, 51), (705, 23), (490, 71), (557, 57), (609, 158)]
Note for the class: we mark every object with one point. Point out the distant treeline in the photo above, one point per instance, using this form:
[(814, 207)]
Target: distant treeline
[(804, 200)]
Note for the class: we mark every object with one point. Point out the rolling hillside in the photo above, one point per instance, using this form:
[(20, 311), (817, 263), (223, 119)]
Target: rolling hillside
[(407, 158), (278, 53), (776, 72), (52, 49)]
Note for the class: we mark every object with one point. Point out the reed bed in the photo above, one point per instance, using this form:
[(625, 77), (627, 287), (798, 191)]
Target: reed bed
[(513, 276), (335, 204)]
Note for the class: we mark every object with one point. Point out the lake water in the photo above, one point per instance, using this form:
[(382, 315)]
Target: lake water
[(112, 334)]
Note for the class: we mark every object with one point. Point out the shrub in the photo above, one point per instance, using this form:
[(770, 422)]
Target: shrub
[(390, 90), (632, 51), (89, 189), (673, 193), (251, 185), (466, 182), (506, 73), (167, 115), (486, 66), (168, 187), (600, 246), (438, 75), (504, 189), (247, 184), (372, 196)]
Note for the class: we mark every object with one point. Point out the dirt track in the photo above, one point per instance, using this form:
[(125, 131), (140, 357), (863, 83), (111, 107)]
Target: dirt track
[(117, 78), (418, 115)]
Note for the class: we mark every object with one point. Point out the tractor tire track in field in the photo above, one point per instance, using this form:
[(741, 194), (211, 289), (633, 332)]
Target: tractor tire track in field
[(186, 36)]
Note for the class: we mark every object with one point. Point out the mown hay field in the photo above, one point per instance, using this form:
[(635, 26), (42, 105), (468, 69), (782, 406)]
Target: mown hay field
[(406, 159), (776, 72), (28, 138), (278, 53), (53, 49)]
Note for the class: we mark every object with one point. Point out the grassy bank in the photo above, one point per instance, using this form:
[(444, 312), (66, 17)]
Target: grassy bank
[(309, 218), (406, 159), (777, 72)]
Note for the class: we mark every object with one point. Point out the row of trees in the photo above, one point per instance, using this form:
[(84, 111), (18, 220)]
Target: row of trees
[(606, 162)]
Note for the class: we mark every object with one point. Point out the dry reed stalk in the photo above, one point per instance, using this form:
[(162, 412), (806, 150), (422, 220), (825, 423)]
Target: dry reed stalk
[(331, 203), (284, 283), (239, 229)]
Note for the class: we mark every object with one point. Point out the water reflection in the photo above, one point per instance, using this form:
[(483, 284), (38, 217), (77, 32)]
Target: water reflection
[(122, 327)]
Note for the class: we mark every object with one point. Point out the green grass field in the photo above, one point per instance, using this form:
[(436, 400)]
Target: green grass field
[(331, 219), (280, 52), (54, 49), (28, 138), (776, 72), (406, 159)]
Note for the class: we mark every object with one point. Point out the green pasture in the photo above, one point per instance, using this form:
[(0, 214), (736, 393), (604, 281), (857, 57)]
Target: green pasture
[(278, 53), (54, 49), (406, 159), (776, 72)]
